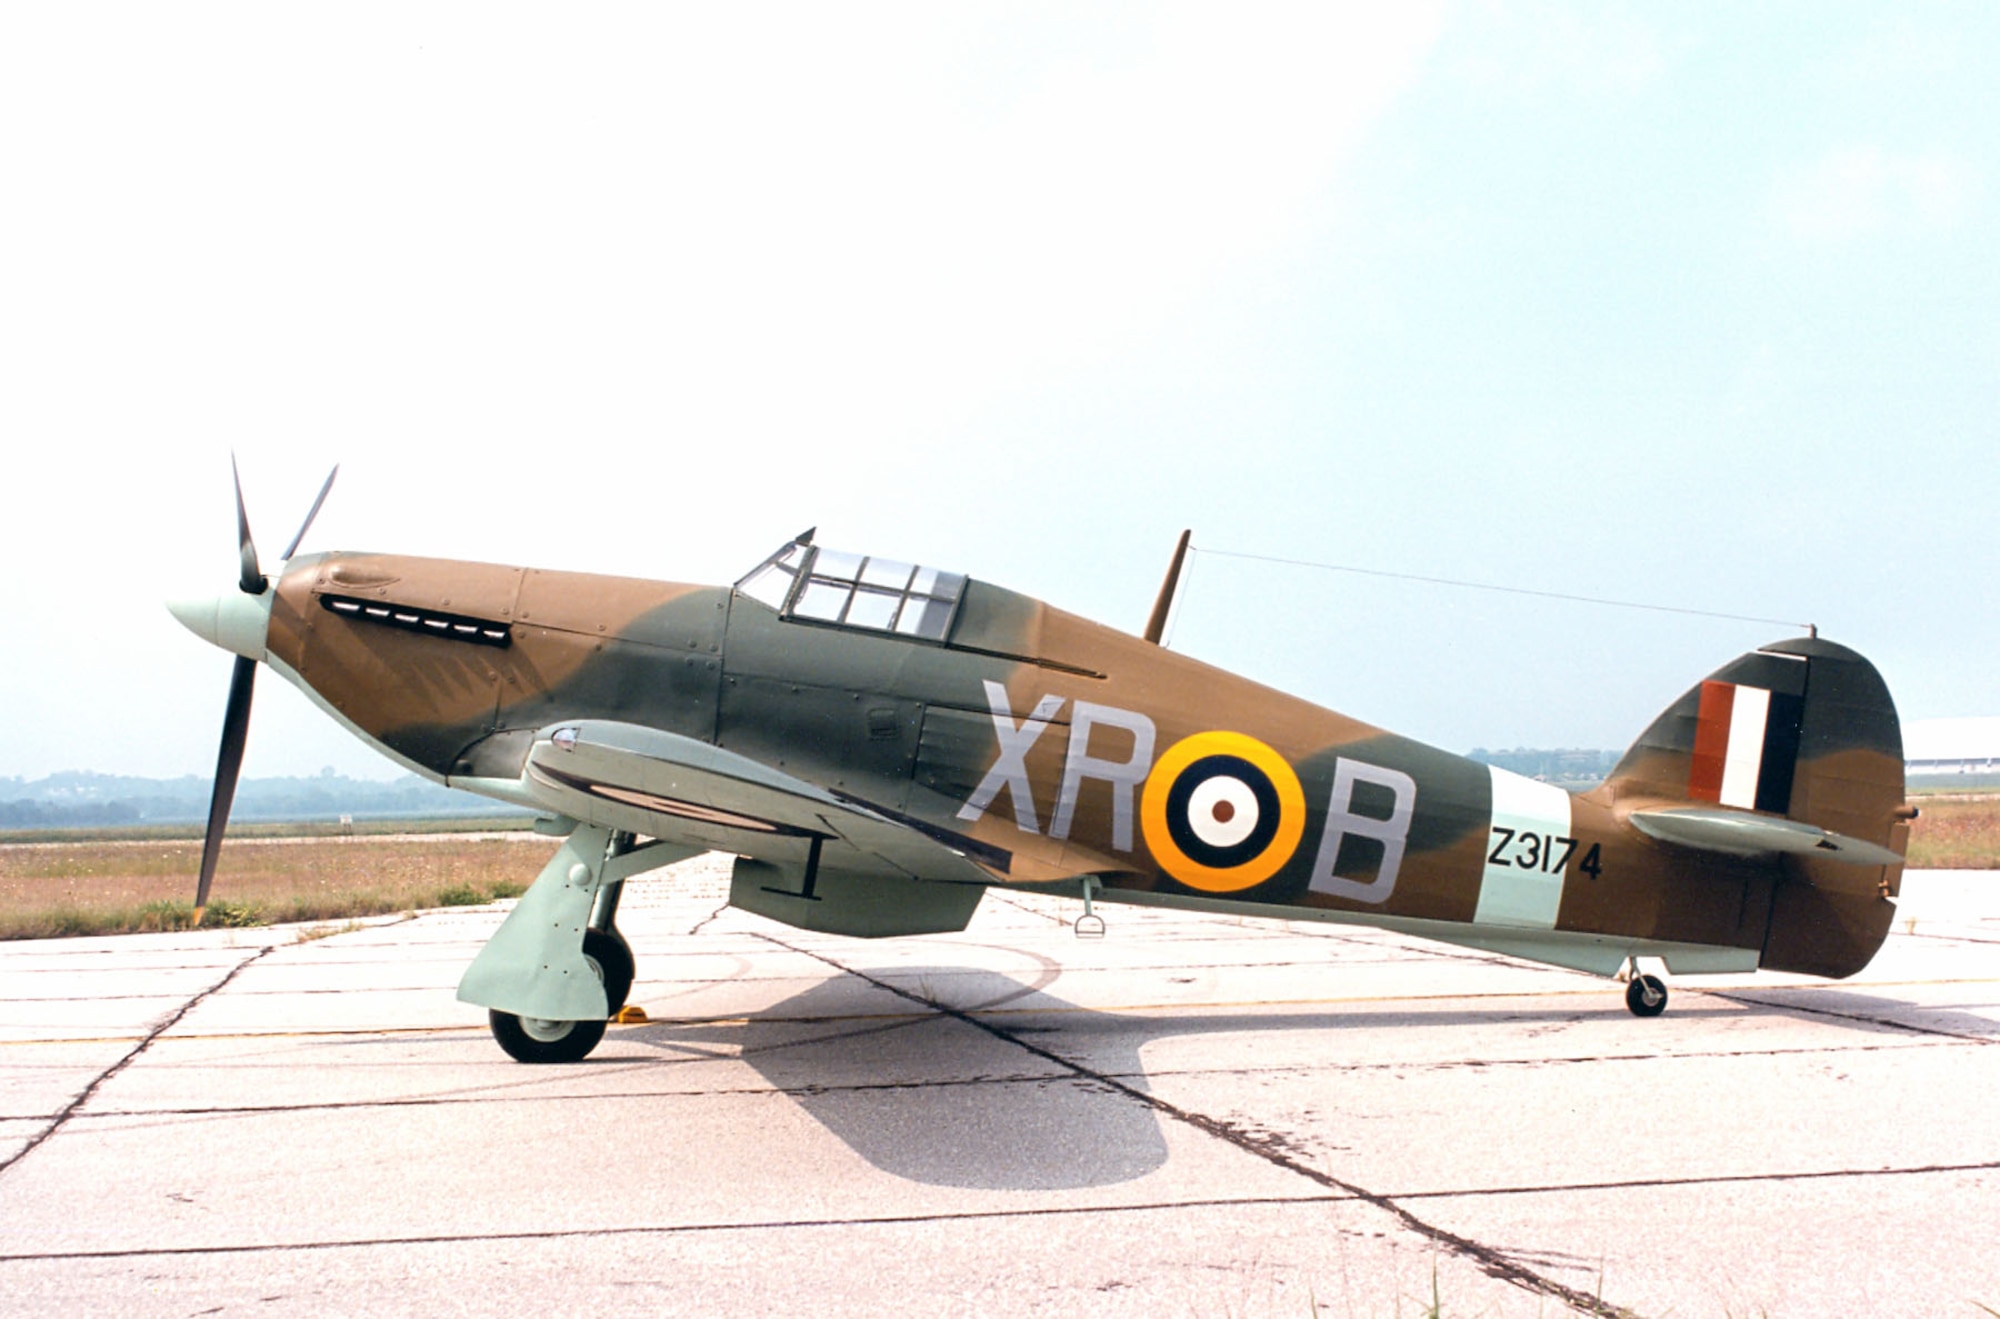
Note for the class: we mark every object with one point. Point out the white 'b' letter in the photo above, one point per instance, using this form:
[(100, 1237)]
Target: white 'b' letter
[(1341, 820), (1010, 771), (1124, 776)]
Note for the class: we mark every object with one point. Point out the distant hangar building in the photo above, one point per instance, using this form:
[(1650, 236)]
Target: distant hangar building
[(1952, 749)]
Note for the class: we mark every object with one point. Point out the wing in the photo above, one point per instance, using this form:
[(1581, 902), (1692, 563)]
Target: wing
[(664, 785)]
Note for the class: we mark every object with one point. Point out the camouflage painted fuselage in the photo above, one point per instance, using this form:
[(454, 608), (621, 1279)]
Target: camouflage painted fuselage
[(1044, 748)]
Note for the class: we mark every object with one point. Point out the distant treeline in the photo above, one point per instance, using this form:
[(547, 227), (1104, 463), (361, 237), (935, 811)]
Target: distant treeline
[(84, 800), (1566, 768), (78, 799), (1586, 769)]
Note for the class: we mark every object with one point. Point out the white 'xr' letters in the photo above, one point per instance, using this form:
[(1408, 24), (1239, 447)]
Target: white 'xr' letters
[(1010, 771), (1124, 776)]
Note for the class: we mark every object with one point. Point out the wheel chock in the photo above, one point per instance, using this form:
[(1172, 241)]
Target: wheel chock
[(631, 1015)]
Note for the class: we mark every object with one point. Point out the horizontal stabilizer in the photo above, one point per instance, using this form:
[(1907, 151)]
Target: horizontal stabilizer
[(1740, 833)]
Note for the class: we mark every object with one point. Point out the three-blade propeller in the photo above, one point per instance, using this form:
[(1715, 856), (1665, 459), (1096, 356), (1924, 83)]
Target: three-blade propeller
[(236, 716)]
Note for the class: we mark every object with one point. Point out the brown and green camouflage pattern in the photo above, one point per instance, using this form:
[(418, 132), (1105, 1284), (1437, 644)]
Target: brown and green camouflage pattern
[(907, 728)]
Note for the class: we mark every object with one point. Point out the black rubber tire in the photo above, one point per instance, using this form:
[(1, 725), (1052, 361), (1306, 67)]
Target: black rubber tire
[(573, 1045), (1646, 996), (614, 962)]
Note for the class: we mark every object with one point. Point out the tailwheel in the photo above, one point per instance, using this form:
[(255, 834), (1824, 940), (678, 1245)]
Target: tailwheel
[(1646, 995)]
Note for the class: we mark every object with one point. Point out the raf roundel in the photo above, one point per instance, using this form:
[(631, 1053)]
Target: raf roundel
[(1222, 812)]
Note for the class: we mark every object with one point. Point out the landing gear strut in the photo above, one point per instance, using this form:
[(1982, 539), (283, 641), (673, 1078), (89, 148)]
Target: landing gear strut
[(1646, 995), (603, 946), (557, 968)]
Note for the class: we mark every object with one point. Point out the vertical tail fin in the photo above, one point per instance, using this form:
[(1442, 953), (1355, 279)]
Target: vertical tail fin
[(1803, 729)]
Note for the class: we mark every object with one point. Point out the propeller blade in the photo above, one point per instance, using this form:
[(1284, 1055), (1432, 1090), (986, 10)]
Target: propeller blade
[(253, 580), (228, 764), (312, 513)]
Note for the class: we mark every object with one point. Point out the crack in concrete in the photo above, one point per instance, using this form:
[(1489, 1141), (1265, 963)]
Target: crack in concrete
[(1949, 938), (1888, 1023), (941, 1082), (1716, 1179), (697, 926), (674, 1229), (810, 1090), (167, 1023), (1007, 900), (1490, 1260)]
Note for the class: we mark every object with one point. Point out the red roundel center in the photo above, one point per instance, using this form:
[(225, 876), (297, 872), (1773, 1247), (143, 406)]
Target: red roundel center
[(1224, 812)]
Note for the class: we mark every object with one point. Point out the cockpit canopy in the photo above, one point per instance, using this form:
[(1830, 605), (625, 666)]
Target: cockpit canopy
[(806, 582)]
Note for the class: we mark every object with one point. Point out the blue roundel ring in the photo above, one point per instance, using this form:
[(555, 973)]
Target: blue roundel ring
[(1212, 771)]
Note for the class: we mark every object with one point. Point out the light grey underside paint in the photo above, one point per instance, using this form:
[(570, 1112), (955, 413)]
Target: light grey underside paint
[(649, 762), (533, 966), (1597, 954)]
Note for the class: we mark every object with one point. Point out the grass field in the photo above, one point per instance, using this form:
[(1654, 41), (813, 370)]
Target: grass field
[(127, 883), (1956, 833), (126, 833), (125, 886)]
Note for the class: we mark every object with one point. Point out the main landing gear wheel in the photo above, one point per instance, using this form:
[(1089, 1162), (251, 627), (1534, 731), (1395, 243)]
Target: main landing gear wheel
[(612, 956), (535, 1040), (1646, 996)]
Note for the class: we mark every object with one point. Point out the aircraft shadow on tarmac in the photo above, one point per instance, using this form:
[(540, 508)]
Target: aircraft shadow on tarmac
[(1868, 1012), (927, 1098), (932, 1100)]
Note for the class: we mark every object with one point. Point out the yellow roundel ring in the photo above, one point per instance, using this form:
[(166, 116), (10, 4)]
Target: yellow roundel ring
[(1222, 812)]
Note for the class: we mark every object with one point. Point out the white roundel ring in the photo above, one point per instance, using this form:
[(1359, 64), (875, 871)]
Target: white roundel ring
[(1222, 811)]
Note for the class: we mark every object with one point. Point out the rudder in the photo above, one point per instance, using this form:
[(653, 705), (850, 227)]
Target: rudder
[(1803, 729)]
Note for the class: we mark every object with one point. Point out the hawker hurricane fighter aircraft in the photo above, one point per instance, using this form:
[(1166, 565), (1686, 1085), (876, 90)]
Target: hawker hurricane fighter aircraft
[(878, 743)]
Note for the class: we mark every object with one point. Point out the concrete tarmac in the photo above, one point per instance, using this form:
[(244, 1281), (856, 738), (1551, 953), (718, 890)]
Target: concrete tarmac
[(1192, 1116)]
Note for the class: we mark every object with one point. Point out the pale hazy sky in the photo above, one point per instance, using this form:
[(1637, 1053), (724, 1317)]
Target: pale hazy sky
[(1696, 304)]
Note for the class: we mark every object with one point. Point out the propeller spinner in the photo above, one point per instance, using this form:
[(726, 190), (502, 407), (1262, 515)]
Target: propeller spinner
[(236, 623)]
